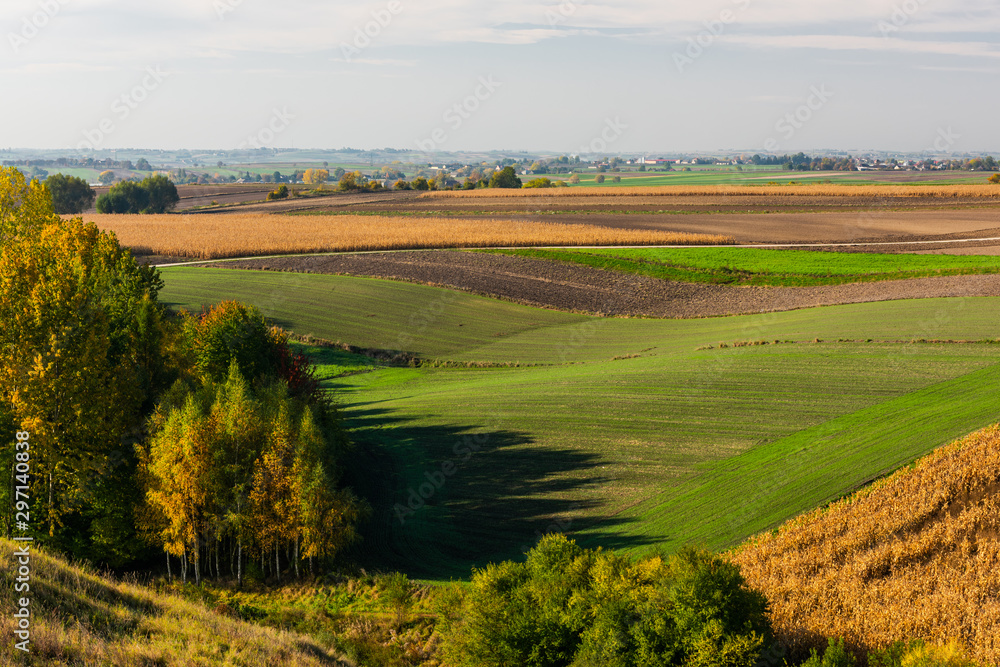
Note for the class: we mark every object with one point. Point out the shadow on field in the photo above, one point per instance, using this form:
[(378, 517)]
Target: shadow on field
[(452, 497)]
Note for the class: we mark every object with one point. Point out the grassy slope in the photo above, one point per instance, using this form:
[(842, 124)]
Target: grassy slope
[(677, 444), (81, 618), (747, 266)]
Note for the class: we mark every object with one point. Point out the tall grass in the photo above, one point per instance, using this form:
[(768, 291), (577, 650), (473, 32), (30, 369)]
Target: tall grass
[(80, 618), (813, 190), (244, 235), (915, 556)]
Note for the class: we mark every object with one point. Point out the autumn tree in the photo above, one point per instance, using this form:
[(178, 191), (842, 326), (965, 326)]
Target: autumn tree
[(106, 177), (79, 327), (316, 176)]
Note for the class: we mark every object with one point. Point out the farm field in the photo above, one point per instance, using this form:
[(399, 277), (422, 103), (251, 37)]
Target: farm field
[(785, 268), (241, 235), (648, 432), (920, 547)]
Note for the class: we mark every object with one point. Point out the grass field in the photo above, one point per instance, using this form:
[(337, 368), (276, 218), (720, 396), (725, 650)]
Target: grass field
[(748, 266), (622, 432), (244, 235)]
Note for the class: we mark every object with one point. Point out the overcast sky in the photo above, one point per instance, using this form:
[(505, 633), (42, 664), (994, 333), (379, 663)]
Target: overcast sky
[(602, 75)]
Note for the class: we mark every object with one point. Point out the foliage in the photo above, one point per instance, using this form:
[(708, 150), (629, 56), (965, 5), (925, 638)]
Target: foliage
[(25, 207), (567, 605), (599, 178), (316, 176), (995, 179), (421, 183), (350, 182), (106, 177), (280, 193), (401, 185), (835, 655), (257, 466), (155, 194), (539, 183), (505, 178), (78, 355), (163, 195), (70, 194)]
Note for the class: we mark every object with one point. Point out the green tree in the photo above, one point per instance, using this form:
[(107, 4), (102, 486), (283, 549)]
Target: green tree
[(505, 178), (124, 197), (599, 178), (70, 194), (106, 177), (421, 183), (162, 194)]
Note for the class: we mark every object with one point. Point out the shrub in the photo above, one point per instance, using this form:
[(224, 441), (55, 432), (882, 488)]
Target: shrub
[(401, 185), (575, 179), (567, 605), (995, 179), (616, 179), (421, 183), (280, 193), (835, 655), (599, 178), (539, 183)]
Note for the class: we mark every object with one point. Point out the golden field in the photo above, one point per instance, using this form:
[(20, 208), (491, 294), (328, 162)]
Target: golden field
[(814, 190), (915, 556), (245, 235)]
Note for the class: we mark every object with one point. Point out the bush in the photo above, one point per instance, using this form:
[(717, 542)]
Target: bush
[(599, 178), (280, 193), (995, 179), (567, 605), (421, 183), (539, 183), (401, 185), (835, 655)]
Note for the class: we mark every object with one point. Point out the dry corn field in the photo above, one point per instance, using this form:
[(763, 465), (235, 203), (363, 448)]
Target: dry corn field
[(915, 556), (818, 190), (247, 235)]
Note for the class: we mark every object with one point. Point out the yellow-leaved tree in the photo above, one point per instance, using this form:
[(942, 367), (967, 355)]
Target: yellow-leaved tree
[(78, 317)]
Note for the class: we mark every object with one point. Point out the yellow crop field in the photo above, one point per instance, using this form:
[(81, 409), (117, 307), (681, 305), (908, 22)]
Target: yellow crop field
[(245, 235), (815, 190), (915, 556)]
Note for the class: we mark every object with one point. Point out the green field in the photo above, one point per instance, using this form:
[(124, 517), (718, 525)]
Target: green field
[(622, 432), (750, 266)]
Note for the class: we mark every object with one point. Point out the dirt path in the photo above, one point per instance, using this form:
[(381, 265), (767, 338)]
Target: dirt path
[(578, 288)]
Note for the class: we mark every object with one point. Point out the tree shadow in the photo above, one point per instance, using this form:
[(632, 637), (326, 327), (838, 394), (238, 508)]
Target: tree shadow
[(447, 498)]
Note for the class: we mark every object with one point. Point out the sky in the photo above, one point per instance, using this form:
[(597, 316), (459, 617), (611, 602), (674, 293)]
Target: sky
[(578, 76)]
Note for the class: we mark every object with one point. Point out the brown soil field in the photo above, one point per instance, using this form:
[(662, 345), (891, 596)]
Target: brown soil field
[(245, 235), (584, 289), (985, 190)]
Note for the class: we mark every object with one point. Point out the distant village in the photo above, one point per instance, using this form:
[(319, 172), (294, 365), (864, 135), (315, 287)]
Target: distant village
[(390, 168)]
